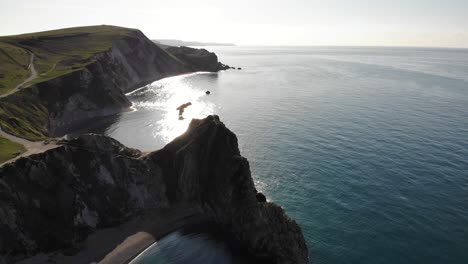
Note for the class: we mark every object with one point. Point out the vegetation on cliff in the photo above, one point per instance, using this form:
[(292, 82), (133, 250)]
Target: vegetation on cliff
[(58, 52), (13, 66), (23, 114), (9, 149)]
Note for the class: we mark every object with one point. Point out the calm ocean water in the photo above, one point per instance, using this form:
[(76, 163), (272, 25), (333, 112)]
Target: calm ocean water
[(367, 148)]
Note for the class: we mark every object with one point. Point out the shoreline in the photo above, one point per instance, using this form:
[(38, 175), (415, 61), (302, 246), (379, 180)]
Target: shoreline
[(122, 243)]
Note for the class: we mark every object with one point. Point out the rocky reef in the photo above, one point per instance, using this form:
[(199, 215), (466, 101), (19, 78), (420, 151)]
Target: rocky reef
[(53, 200), (125, 59)]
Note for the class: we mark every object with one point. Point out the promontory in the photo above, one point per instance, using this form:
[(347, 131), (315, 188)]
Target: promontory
[(91, 199)]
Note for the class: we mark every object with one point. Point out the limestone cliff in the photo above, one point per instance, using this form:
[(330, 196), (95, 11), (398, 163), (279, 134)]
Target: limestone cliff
[(91, 84), (199, 59), (51, 201)]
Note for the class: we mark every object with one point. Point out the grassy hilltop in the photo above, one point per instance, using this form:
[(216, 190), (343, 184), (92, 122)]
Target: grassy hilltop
[(57, 52)]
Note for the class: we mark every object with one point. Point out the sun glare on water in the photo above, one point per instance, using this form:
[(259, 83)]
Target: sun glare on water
[(168, 94)]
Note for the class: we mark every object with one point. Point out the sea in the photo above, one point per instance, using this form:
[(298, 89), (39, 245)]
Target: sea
[(365, 147)]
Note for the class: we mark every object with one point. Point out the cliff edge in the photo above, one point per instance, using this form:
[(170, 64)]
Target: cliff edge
[(53, 200), (83, 73)]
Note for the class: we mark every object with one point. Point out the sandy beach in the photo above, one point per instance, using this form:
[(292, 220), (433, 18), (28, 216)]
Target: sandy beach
[(122, 243)]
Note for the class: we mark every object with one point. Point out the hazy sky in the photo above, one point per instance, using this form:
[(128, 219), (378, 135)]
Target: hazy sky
[(257, 22)]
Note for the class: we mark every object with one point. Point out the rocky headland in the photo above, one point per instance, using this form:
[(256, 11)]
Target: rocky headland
[(59, 194), (52, 201), (84, 73)]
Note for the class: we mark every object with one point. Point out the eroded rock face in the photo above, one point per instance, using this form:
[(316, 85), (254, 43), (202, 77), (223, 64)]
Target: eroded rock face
[(53, 200), (99, 90), (71, 100)]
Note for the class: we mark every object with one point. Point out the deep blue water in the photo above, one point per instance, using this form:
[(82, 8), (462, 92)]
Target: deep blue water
[(367, 148)]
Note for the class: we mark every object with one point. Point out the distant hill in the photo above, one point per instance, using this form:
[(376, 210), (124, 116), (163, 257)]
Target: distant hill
[(175, 42)]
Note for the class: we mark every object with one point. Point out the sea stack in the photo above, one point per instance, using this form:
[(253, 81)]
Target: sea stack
[(181, 109)]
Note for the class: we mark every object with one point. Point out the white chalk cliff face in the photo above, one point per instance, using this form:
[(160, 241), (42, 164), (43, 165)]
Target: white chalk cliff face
[(68, 101), (54, 200), (132, 62)]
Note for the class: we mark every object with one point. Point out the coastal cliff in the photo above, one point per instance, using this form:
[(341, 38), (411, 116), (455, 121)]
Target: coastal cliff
[(53, 200), (199, 59), (84, 73)]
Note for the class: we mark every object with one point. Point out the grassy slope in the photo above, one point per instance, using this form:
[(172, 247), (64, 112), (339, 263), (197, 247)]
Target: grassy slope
[(13, 66), (9, 150), (58, 52), (22, 115)]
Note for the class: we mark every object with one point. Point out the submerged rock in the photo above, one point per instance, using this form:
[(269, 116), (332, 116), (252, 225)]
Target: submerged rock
[(54, 200)]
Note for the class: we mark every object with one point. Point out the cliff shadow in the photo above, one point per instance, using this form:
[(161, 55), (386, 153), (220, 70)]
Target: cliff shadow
[(98, 125)]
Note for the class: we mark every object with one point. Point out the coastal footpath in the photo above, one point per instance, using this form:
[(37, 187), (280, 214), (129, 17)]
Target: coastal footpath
[(53, 200), (82, 73)]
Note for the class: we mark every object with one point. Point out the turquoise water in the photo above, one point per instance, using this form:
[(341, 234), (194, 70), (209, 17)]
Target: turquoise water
[(367, 148)]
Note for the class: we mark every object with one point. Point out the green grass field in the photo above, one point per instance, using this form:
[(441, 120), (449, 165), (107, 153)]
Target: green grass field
[(9, 149), (58, 52)]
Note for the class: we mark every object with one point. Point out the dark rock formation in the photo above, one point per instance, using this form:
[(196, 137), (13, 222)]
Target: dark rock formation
[(260, 197), (207, 92), (181, 109), (52, 201), (199, 59), (183, 106)]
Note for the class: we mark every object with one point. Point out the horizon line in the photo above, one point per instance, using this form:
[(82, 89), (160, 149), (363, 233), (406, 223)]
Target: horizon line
[(340, 46)]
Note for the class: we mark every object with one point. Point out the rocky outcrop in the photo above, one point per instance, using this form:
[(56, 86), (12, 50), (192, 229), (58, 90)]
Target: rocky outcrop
[(97, 89), (199, 59), (52, 201)]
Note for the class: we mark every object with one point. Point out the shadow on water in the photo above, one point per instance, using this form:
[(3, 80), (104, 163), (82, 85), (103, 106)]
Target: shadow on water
[(96, 125)]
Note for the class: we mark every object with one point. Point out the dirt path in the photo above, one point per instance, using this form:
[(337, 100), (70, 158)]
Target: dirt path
[(31, 147), (29, 79)]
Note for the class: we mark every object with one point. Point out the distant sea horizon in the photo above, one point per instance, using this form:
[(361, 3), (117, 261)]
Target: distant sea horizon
[(334, 46)]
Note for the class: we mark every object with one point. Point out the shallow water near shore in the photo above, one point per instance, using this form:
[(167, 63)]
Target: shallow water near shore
[(366, 148), (178, 248), (197, 243)]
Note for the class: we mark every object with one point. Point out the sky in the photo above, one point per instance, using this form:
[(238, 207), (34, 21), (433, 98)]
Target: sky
[(423, 23)]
